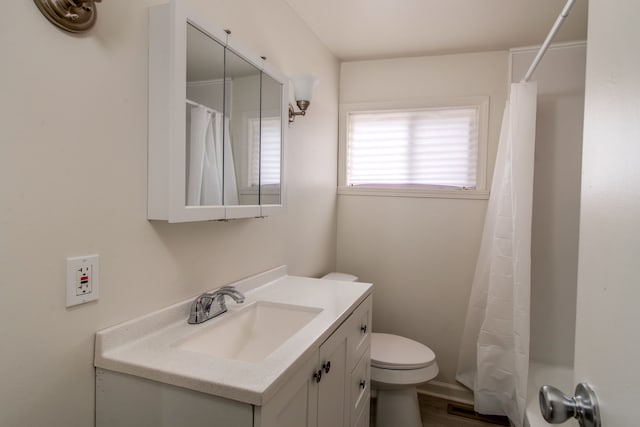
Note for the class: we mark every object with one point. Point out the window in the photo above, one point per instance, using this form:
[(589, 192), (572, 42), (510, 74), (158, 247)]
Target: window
[(421, 150), (265, 148)]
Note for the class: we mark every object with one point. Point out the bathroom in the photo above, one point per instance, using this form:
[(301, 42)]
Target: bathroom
[(74, 156)]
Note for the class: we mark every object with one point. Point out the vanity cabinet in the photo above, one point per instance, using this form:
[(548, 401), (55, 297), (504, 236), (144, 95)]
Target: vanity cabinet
[(331, 388)]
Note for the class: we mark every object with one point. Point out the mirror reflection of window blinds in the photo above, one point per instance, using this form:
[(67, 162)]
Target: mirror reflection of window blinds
[(270, 156), (420, 147)]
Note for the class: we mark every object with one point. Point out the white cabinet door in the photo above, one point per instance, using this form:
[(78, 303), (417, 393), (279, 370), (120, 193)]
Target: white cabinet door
[(607, 347), (332, 388)]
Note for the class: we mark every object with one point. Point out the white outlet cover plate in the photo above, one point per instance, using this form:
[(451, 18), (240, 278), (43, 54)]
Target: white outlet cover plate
[(73, 265)]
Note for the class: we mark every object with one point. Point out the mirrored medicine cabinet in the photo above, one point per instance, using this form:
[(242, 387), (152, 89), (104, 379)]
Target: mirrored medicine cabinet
[(217, 123)]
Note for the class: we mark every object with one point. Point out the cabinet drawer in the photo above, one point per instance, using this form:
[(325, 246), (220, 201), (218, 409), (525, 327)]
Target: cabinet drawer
[(360, 387), (359, 332)]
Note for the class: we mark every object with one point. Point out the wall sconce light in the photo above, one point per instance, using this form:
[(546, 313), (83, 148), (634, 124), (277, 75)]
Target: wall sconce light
[(302, 91), (75, 16)]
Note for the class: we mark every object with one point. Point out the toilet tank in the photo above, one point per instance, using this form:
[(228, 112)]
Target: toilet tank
[(344, 277)]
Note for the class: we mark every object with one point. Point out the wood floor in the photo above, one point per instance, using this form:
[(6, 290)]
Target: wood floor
[(434, 414)]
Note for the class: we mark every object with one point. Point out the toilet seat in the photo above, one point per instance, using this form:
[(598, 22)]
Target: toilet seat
[(399, 353)]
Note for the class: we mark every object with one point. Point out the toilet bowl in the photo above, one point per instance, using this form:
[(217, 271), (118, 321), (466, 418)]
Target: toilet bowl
[(398, 365)]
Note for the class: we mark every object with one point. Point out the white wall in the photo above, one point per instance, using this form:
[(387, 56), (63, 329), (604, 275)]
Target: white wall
[(556, 198), (419, 252), (73, 147)]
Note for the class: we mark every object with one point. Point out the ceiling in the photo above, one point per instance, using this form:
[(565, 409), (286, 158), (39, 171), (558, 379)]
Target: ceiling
[(372, 29)]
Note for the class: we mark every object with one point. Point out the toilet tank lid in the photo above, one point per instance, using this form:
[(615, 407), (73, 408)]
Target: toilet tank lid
[(344, 277)]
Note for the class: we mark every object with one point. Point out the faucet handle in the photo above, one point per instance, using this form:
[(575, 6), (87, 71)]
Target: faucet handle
[(212, 304), (204, 301), (200, 308)]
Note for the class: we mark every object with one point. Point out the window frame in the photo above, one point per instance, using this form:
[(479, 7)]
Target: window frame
[(481, 190)]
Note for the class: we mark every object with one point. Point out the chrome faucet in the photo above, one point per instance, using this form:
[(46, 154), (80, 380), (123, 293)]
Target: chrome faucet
[(212, 304)]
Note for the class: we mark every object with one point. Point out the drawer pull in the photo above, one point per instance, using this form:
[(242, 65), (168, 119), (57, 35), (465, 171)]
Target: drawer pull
[(317, 376), (363, 328), (363, 384), (326, 366)]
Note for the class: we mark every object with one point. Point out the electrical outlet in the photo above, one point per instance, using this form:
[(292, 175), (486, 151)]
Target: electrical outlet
[(82, 279)]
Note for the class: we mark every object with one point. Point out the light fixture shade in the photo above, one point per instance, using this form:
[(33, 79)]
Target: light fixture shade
[(303, 86)]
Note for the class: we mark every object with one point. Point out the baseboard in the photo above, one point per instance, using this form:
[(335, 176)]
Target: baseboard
[(448, 391)]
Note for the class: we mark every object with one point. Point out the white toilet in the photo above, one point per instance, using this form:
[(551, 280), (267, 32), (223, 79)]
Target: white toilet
[(398, 365)]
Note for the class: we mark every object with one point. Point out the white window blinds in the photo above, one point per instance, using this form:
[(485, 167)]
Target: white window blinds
[(270, 146), (431, 148), (265, 151)]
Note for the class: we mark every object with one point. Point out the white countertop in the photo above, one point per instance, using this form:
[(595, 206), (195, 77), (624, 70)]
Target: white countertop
[(142, 347)]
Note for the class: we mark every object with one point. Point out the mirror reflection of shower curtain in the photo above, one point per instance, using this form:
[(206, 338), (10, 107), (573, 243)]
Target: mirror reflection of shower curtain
[(207, 174), (494, 351), (230, 184), (204, 183)]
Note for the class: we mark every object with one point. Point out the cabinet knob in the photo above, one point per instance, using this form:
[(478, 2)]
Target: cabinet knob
[(326, 366), (317, 376), (363, 384), (363, 328)]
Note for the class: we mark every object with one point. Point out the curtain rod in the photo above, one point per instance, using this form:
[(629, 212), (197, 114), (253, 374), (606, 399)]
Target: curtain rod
[(547, 41), (196, 104)]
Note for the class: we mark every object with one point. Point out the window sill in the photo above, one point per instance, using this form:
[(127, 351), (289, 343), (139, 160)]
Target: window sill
[(420, 193)]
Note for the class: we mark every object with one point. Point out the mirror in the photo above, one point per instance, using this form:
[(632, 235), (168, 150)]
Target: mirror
[(233, 127), (270, 142), (204, 120), (217, 123), (243, 115)]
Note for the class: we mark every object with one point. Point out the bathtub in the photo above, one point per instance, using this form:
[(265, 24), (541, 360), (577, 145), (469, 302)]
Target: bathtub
[(544, 374)]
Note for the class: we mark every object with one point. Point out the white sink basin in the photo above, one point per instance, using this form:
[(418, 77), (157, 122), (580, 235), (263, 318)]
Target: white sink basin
[(251, 333)]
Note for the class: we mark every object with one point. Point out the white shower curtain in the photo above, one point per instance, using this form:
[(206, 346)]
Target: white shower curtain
[(230, 184), (210, 160), (494, 352), (204, 182)]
